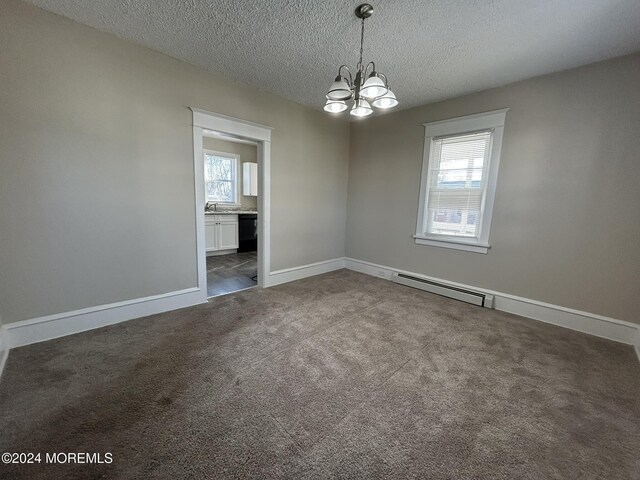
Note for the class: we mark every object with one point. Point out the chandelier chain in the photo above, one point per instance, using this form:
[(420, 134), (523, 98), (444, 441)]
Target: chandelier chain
[(361, 44)]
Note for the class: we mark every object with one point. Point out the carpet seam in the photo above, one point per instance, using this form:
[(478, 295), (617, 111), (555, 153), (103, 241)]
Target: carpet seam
[(359, 404), (252, 366), (258, 362), (291, 437)]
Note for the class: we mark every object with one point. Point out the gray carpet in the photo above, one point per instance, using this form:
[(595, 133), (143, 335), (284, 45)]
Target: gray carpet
[(336, 376)]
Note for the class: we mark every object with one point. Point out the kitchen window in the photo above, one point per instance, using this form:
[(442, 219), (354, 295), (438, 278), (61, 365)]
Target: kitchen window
[(459, 176), (221, 177)]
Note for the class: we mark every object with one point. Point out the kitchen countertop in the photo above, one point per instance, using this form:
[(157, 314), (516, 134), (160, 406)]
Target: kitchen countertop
[(231, 212)]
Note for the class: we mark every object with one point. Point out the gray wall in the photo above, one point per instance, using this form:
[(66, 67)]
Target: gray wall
[(566, 223), (247, 152), (96, 181)]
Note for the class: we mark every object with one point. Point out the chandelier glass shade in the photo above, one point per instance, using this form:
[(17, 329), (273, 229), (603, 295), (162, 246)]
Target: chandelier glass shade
[(361, 108), (374, 87), (335, 106), (368, 88), (340, 90), (388, 100)]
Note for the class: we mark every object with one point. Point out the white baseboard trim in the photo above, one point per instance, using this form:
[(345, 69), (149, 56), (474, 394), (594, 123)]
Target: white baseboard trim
[(585, 322), (4, 348), (49, 327), (59, 325), (217, 253), (296, 273), (637, 344)]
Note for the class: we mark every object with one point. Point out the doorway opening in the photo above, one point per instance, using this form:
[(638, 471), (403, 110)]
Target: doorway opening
[(231, 213), (231, 165)]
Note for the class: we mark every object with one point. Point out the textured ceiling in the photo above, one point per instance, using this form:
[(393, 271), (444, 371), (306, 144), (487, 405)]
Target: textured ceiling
[(430, 50)]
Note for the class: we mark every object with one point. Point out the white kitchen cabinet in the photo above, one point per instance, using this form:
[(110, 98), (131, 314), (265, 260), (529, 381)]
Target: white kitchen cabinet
[(210, 236), (250, 179), (221, 233), (228, 234)]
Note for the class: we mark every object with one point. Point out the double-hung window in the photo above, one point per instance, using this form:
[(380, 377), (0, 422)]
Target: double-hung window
[(221, 177), (459, 175)]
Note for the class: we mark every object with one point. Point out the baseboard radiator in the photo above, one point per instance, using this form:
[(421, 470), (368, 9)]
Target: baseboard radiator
[(476, 298)]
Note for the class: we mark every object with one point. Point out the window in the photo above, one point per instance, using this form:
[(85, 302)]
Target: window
[(459, 175), (221, 177)]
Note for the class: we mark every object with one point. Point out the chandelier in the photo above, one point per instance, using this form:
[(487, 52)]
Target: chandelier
[(366, 91)]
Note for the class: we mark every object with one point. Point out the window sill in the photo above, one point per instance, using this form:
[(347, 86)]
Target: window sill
[(454, 244)]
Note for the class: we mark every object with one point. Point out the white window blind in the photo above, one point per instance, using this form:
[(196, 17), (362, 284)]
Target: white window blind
[(457, 184)]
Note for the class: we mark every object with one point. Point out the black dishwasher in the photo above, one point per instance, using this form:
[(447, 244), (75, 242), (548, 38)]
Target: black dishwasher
[(247, 232)]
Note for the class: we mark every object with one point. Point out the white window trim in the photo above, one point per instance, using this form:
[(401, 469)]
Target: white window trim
[(236, 171), (455, 126)]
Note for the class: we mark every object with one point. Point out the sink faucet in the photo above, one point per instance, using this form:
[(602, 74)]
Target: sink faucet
[(207, 207)]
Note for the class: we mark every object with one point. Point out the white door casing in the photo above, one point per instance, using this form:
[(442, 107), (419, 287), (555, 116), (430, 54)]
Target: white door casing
[(243, 130)]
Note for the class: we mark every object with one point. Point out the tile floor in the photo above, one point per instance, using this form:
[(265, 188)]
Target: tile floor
[(230, 273)]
